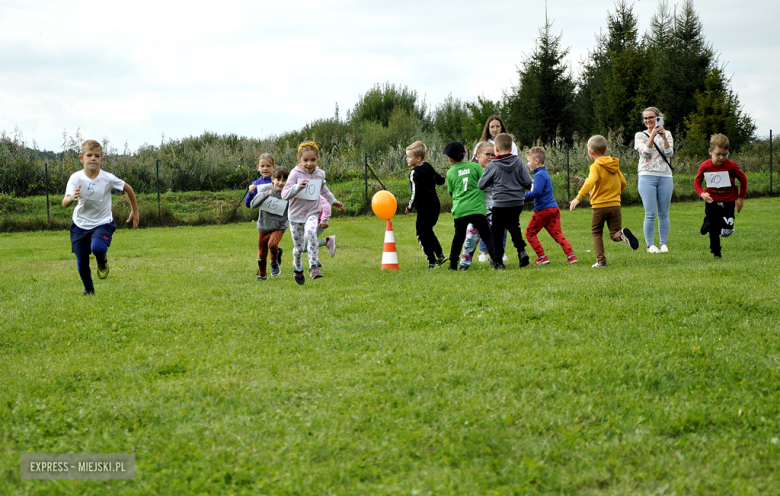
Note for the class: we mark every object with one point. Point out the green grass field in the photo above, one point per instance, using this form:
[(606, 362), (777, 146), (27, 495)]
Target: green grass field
[(659, 374)]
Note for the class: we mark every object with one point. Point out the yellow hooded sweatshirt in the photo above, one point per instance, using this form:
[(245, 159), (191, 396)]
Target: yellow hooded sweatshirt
[(605, 183)]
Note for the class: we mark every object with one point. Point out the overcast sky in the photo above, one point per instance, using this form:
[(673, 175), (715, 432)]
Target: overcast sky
[(131, 71)]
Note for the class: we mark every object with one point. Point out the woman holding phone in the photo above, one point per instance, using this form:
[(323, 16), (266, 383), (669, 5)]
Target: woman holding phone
[(655, 147)]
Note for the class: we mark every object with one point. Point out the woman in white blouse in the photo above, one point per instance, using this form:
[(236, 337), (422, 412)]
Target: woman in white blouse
[(655, 147)]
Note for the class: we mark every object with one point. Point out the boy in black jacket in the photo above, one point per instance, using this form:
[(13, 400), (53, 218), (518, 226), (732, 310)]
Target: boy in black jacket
[(422, 181)]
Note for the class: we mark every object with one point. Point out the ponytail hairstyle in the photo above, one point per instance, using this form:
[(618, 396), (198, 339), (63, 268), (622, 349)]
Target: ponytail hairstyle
[(308, 146), (267, 156), (651, 109)]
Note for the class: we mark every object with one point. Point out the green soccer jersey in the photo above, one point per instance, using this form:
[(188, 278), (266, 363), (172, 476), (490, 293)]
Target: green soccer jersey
[(467, 198)]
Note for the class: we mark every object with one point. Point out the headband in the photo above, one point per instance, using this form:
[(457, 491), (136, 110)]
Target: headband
[(308, 143)]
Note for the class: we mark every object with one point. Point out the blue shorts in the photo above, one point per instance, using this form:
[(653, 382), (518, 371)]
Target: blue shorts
[(81, 239)]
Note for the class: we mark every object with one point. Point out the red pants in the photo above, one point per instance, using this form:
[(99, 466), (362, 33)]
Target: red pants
[(265, 242), (550, 219)]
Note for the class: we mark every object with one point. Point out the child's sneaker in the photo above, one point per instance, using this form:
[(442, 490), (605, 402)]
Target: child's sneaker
[(629, 238), (441, 259), (571, 259), (653, 249), (484, 257), (524, 259), (102, 270), (463, 267), (705, 227), (88, 292), (262, 278), (330, 242), (452, 267), (599, 264), (275, 269), (500, 266), (298, 276), (664, 249), (543, 260), (315, 273), (433, 266)]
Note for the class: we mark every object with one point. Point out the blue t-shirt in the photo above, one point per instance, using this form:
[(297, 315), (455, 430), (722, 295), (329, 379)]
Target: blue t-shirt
[(541, 192)]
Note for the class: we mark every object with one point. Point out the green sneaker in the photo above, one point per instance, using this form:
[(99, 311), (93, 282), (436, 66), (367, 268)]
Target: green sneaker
[(103, 269)]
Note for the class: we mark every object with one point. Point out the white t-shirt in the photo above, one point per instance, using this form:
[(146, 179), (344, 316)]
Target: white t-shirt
[(90, 213)]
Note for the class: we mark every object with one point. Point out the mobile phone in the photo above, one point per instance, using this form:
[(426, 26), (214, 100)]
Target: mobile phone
[(659, 122)]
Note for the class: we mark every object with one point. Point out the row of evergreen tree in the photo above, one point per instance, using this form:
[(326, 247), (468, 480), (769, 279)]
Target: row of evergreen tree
[(671, 67)]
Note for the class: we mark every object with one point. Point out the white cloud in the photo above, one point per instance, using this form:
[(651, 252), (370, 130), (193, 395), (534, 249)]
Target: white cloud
[(135, 71)]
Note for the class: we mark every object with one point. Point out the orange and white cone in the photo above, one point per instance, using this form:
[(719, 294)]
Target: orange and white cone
[(389, 256)]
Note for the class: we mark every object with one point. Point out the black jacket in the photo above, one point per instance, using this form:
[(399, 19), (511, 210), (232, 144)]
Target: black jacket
[(422, 181)]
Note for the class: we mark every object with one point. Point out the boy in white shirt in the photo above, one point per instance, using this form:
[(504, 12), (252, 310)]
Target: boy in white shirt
[(93, 222)]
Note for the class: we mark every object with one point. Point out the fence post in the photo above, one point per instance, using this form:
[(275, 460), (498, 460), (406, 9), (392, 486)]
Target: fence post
[(568, 178), (46, 169), (159, 212), (365, 179), (770, 161)]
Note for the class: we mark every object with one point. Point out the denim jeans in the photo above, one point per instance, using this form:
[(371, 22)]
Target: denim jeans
[(656, 193)]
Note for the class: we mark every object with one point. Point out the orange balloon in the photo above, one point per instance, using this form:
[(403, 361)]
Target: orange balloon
[(384, 205)]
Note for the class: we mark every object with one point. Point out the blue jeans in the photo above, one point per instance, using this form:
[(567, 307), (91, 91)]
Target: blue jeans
[(656, 193)]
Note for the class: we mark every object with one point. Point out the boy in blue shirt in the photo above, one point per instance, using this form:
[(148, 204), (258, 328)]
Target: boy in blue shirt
[(546, 213), (93, 221)]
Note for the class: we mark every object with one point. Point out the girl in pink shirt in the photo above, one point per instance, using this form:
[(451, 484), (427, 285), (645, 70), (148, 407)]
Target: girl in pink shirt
[(303, 213)]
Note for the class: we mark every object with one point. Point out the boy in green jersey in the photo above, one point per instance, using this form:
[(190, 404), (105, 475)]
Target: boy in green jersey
[(468, 201)]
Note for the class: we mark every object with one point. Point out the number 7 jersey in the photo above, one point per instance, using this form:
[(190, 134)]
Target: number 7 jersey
[(462, 184)]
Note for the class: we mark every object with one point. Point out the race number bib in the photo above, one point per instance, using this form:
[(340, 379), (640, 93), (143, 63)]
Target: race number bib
[(717, 179), (90, 190), (311, 191), (274, 206)]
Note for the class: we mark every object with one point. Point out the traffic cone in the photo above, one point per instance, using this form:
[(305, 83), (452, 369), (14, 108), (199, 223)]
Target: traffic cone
[(389, 256)]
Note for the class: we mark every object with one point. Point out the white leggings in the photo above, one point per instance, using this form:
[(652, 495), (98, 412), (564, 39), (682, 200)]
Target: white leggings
[(305, 232)]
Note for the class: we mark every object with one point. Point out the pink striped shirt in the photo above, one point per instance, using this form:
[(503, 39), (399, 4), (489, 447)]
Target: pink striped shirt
[(299, 209)]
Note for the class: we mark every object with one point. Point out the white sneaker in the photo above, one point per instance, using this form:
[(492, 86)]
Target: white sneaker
[(664, 249), (653, 249), (505, 257), (330, 242), (484, 257)]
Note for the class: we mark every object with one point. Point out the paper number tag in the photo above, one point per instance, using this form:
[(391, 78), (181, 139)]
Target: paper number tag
[(717, 179), (90, 191), (274, 206), (311, 191)]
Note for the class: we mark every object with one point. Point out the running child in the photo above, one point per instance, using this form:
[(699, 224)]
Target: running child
[(485, 153), (271, 223), (423, 179), (265, 166), (605, 183), (304, 213), (546, 213), (93, 222), (329, 241), (721, 198), (468, 201)]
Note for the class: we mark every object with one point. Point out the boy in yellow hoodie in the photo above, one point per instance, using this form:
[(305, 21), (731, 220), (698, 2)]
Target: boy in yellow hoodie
[(605, 183)]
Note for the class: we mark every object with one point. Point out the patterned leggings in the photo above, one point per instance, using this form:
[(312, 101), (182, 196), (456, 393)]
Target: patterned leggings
[(265, 242), (550, 219), (305, 232)]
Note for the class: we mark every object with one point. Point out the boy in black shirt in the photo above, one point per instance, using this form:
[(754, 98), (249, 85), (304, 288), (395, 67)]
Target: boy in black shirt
[(422, 181)]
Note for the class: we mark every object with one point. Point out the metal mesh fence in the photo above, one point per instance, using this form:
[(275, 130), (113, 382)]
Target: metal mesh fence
[(209, 187)]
